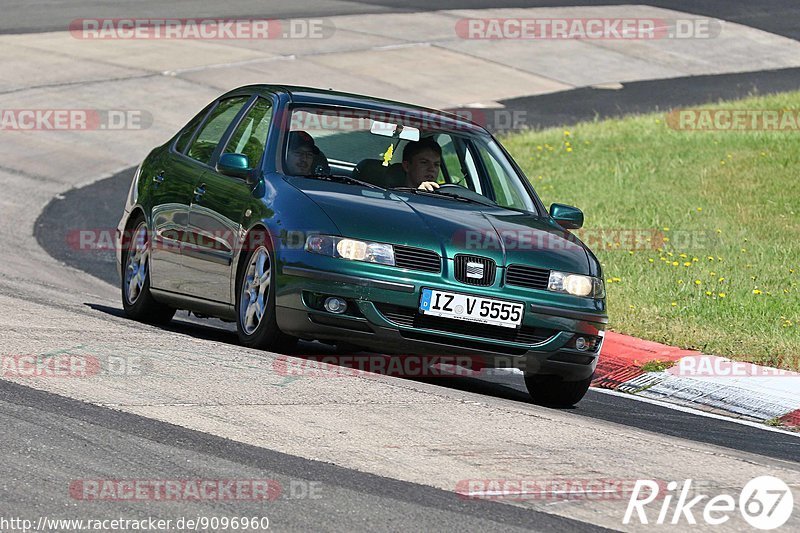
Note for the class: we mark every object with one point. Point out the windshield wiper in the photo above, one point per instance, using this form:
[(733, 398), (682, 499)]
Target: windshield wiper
[(448, 195), (342, 178), (486, 202), (423, 192)]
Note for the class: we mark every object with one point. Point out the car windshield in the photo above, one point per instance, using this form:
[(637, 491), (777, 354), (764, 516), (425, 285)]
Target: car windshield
[(400, 151)]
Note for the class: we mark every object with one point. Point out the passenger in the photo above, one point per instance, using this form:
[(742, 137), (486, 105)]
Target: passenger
[(302, 154), (422, 161)]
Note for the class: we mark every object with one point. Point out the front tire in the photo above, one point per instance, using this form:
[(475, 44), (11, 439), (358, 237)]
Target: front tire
[(137, 301), (256, 321), (554, 391)]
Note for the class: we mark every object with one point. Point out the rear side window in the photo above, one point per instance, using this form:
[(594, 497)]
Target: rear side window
[(250, 136), (215, 127), (188, 131)]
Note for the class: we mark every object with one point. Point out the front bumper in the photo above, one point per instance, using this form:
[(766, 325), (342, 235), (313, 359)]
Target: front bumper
[(383, 317)]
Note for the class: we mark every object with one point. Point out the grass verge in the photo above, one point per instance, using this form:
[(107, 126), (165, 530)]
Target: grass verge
[(698, 231)]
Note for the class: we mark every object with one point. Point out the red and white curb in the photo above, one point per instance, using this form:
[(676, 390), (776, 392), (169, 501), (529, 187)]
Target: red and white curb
[(706, 382)]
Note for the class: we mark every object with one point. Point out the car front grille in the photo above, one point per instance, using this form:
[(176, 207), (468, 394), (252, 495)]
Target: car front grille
[(409, 317), (526, 276), (417, 259), (474, 270)]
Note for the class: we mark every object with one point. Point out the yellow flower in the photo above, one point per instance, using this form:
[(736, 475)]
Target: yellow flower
[(756, 291), (674, 263), (683, 255), (666, 229), (744, 250), (674, 304), (651, 260), (721, 280), (695, 259), (719, 230), (539, 147), (680, 282), (699, 208), (710, 257), (566, 133), (697, 282), (669, 254), (617, 280), (712, 273), (722, 295), (687, 263), (708, 293), (666, 239), (569, 149)]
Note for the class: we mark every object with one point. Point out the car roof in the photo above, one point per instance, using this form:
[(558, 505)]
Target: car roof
[(319, 96)]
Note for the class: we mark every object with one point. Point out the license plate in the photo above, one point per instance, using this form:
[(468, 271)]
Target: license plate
[(471, 308)]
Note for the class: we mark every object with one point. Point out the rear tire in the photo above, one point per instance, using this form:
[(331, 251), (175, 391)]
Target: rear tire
[(256, 321), (554, 391), (137, 301)]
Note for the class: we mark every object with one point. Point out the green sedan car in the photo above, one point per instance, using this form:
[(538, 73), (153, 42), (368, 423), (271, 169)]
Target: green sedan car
[(301, 213)]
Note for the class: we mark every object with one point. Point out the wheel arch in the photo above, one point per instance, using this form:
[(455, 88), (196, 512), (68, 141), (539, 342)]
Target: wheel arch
[(243, 252)]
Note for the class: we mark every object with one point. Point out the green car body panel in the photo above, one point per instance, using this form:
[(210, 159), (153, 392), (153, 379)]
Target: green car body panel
[(200, 218)]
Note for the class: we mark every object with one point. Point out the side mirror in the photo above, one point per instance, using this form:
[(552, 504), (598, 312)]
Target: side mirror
[(236, 165), (566, 216)]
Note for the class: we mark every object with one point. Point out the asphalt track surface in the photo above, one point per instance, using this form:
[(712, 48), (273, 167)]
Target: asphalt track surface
[(51, 434), (57, 430), (31, 16)]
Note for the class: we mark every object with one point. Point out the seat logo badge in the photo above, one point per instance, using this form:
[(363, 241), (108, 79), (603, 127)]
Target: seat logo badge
[(474, 270)]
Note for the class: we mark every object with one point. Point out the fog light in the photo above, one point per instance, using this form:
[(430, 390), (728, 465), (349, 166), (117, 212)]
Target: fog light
[(335, 305), (580, 344)]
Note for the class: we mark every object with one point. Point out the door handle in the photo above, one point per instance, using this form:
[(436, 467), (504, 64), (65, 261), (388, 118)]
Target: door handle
[(199, 192)]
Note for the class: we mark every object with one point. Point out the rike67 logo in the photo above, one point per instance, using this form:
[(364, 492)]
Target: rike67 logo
[(765, 503)]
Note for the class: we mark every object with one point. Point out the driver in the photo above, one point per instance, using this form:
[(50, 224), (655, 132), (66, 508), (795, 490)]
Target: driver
[(422, 161), (302, 153)]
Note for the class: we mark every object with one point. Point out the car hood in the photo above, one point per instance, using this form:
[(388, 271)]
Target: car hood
[(449, 226)]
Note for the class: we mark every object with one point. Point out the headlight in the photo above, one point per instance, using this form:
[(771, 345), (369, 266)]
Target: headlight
[(576, 285), (352, 249)]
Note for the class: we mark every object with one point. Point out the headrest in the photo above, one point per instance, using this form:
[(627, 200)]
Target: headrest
[(373, 171)]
